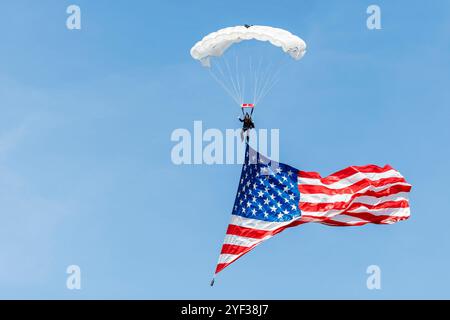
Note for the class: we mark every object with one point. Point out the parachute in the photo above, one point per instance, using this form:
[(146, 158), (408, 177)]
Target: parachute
[(243, 61)]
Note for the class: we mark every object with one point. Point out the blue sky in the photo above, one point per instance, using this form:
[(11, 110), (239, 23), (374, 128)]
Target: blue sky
[(86, 176)]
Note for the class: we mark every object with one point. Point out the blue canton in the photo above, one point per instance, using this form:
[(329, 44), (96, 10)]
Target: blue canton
[(267, 190)]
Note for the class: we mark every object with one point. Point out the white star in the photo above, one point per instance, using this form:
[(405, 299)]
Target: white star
[(254, 186), (254, 199), (240, 201), (243, 210), (272, 197), (278, 205), (261, 181), (289, 173), (278, 170), (294, 207), (286, 200), (272, 185), (286, 189), (285, 211), (248, 183), (260, 193), (266, 215), (279, 193), (266, 201), (260, 207), (266, 189), (273, 208), (291, 196), (254, 211), (284, 178), (248, 204), (280, 216), (291, 185)]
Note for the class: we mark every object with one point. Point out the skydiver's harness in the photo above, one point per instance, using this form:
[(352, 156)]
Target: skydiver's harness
[(248, 122)]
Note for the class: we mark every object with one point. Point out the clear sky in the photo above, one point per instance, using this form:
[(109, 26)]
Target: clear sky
[(86, 176)]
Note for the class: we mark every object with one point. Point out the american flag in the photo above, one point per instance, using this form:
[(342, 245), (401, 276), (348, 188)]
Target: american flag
[(274, 196)]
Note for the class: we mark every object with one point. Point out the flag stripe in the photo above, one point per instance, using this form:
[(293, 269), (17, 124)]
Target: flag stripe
[(354, 188), (345, 173), (255, 223), (359, 207), (351, 179), (240, 241), (361, 200), (369, 192)]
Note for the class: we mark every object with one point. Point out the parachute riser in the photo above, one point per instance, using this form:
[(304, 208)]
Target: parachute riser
[(247, 106)]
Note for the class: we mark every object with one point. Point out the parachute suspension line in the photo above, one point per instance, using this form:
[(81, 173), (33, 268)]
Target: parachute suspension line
[(221, 83), (227, 79), (250, 73), (224, 80), (244, 81), (256, 78), (232, 79), (272, 81), (237, 78), (265, 77)]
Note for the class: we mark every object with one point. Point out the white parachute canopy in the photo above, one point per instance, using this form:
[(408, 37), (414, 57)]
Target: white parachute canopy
[(247, 72)]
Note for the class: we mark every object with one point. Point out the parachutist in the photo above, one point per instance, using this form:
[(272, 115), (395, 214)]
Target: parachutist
[(248, 25), (247, 125)]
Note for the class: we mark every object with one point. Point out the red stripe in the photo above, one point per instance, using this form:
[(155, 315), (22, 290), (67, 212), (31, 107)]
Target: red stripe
[(221, 266), (369, 218), (345, 173), (383, 205), (233, 249), (354, 188), (322, 207), (247, 232), (373, 218), (344, 224), (257, 233)]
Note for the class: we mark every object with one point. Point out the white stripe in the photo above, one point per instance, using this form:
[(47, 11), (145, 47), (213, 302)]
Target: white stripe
[(256, 224), (347, 219), (394, 212), (242, 241), (346, 182), (360, 200), (326, 198), (228, 258)]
